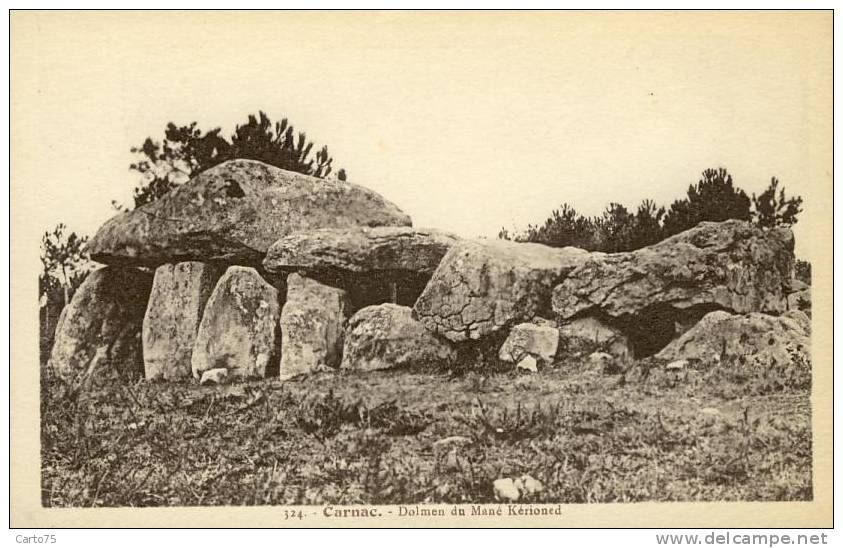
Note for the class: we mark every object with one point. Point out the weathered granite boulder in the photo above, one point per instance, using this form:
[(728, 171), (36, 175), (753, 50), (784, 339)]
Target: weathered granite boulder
[(375, 265), (796, 286), (799, 296), (484, 286), (176, 303), (386, 336), (98, 336), (234, 212), (239, 328), (799, 317), (732, 265), (539, 340), (720, 337), (584, 336), (312, 323)]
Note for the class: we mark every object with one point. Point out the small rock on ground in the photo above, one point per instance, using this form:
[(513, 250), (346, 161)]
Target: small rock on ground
[(505, 489), (214, 376), (677, 365), (528, 363), (529, 485)]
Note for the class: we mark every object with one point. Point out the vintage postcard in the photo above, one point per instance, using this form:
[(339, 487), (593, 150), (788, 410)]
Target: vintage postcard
[(421, 269)]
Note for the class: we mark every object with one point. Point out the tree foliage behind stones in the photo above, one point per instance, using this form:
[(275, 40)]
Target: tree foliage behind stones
[(564, 227), (714, 197), (63, 259), (770, 209), (187, 151), (64, 266)]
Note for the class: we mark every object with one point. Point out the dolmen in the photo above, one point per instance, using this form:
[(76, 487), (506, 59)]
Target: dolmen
[(248, 271)]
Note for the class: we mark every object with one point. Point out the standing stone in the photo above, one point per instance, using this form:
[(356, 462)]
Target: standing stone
[(176, 304), (387, 336), (98, 336), (239, 329), (539, 340), (485, 286), (311, 326)]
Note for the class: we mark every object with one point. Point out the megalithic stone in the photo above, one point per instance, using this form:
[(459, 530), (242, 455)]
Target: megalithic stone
[(176, 304), (233, 212), (312, 323), (99, 333), (239, 329)]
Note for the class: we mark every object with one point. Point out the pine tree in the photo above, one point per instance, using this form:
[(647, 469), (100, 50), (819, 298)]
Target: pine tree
[(770, 210), (713, 198), (187, 151)]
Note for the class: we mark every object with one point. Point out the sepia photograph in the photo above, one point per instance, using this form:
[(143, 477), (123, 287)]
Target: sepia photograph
[(421, 268)]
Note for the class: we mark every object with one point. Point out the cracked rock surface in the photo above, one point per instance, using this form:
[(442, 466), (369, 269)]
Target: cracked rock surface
[(732, 265), (484, 286), (234, 212)]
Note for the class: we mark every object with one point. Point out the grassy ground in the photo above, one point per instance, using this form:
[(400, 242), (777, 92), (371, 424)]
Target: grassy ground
[(645, 435)]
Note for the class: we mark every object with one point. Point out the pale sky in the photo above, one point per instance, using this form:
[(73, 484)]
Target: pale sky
[(467, 121)]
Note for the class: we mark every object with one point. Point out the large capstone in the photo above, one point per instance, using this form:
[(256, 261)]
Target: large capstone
[(99, 334), (312, 323), (179, 294), (375, 265), (733, 266), (234, 212), (484, 286), (239, 328), (386, 336)]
